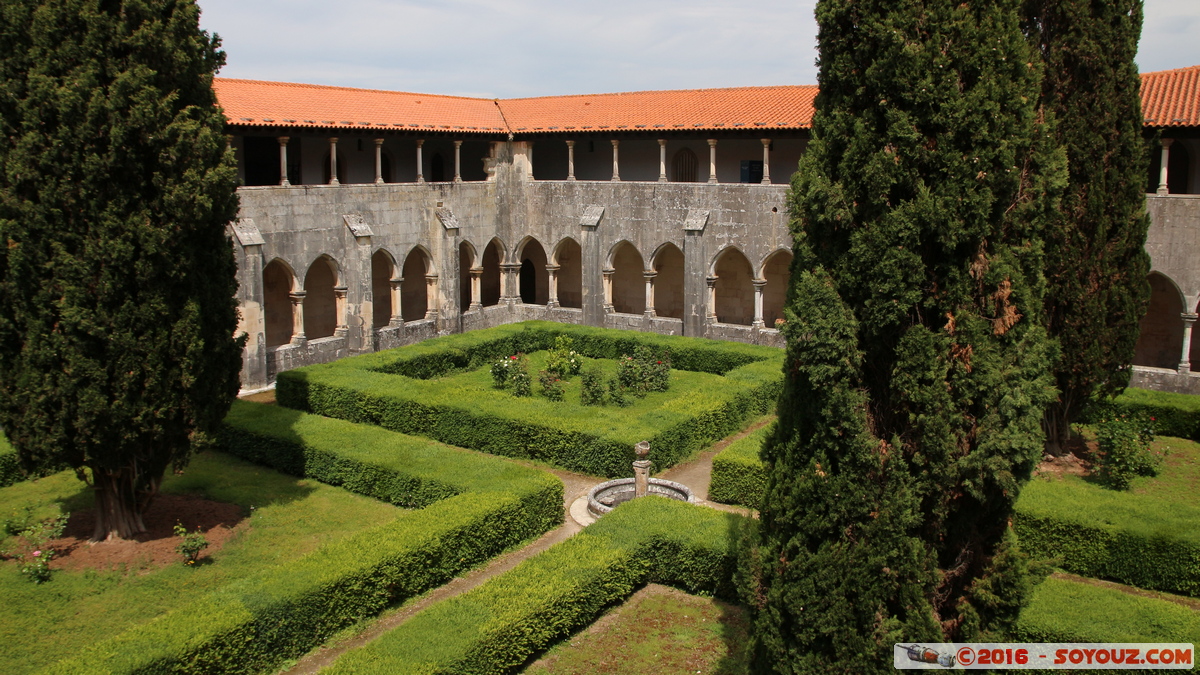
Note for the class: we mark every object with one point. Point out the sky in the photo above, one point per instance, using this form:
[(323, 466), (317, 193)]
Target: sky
[(517, 48)]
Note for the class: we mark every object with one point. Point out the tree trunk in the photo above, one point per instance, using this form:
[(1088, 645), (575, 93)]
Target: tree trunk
[(118, 505), (1057, 428)]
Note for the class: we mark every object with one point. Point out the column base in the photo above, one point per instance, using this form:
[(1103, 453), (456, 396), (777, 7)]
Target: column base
[(609, 309), (396, 322), (298, 341), (1185, 368), (649, 314), (758, 324), (551, 304), (475, 306), (341, 331)]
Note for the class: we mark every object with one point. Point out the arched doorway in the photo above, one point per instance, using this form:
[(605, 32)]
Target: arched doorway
[(685, 166), (534, 281), (490, 282), (414, 296), (1160, 343), (570, 273), (382, 271), (628, 281), (278, 281), (776, 270), (734, 290), (668, 282), (320, 302)]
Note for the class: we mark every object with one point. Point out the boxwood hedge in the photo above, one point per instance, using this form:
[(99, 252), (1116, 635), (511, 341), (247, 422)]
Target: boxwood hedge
[(738, 476), (496, 627), (1175, 415), (393, 389), (475, 507)]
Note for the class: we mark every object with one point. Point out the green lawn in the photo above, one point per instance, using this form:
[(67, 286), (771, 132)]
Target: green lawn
[(659, 630), (290, 518)]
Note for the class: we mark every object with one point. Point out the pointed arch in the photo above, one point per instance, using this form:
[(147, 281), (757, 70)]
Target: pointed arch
[(493, 254), (466, 260), (414, 295), (320, 300), (383, 270), (734, 289), (279, 281), (776, 269), (1160, 343), (568, 255), (533, 278), (668, 281), (628, 281)]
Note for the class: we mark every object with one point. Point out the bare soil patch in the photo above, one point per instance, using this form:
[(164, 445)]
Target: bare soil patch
[(1074, 461), (155, 548)]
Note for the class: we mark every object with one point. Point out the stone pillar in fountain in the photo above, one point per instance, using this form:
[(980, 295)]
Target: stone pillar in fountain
[(641, 470)]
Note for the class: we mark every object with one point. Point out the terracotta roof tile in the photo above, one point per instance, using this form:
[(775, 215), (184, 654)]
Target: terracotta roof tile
[(253, 102), (1171, 98), (788, 107)]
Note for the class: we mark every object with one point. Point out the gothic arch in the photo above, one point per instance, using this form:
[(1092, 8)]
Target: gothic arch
[(466, 260), (533, 282), (320, 299), (734, 288), (668, 264), (1160, 344), (628, 280), (568, 255), (493, 254), (383, 270), (279, 281), (414, 294), (776, 270)]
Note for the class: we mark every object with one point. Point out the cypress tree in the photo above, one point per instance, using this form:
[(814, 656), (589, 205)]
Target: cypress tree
[(917, 358), (1096, 261), (117, 314)]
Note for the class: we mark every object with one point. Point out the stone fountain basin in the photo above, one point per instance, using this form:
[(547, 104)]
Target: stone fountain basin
[(608, 495)]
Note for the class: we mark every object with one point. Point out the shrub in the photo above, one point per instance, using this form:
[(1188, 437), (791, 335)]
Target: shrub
[(518, 378), (618, 395), (552, 384), (1175, 415), (562, 359), (592, 386), (190, 544), (501, 370), (33, 556), (1124, 450), (738, 475)]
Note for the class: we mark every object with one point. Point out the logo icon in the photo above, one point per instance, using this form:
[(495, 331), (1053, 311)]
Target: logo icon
[(925, 655)]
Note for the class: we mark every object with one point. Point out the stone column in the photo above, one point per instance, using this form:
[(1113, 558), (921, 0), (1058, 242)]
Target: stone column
[(759, 285), (616, 172), (458, 161), (510, 293), (608, 300), (298, 337), (1185, 363), (397, 318), (431, 296), (649, 275), (552, 299), (766, 179), (420, 163), (712, 160), (378, 161), (228, 142), (1162, 169), (662, 160), (283, 177), (333, 179), (641, 470), (339, 308), (476, 287), (570, 160), (711, 316)]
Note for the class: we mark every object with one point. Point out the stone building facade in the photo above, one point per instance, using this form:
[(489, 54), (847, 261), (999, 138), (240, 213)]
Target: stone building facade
[(376, 219)]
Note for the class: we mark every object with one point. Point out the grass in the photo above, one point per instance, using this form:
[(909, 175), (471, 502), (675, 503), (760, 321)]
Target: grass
[(1160, 505), (290, 518), (658, 630), (1062, 610)]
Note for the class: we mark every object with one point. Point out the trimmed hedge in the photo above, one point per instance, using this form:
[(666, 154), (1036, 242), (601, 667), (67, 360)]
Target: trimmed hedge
[(499, 625), (567, 434), (255, 623), (1175, 415), (738, 475), (1070, 611), (1133, 538)]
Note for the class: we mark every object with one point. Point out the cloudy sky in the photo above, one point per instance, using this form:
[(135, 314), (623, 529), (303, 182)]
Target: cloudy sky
[(513, 48)]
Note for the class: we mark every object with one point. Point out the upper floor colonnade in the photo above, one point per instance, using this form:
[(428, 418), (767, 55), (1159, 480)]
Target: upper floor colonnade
[(305, 158)]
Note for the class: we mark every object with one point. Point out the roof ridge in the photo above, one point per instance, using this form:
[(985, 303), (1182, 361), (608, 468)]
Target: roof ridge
[(1170, 70), (305, 85), (661, 91)]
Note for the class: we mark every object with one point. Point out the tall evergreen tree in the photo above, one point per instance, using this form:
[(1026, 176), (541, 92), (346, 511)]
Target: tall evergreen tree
[(117, 279), (917, 362), (1096, 261)]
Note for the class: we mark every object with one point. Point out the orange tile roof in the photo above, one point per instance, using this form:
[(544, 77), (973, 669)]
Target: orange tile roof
[(1171, 98), (257, 103), (789, 107)]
